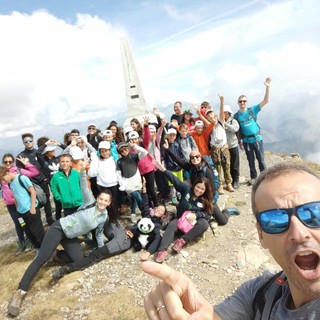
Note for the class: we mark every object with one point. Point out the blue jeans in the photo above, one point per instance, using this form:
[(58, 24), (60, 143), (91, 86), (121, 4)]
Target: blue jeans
[(255, 150), (137, 200)]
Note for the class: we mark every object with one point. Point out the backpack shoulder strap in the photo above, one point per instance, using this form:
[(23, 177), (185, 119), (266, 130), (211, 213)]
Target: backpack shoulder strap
[(21, 183), (268, 295)]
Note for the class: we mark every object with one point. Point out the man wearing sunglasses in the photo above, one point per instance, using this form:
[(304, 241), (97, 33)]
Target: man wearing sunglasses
[(249, 136), (286, 204), (30, 153)]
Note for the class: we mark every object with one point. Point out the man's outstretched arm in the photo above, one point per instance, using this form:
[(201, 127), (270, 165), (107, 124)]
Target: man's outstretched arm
[(266, 95)]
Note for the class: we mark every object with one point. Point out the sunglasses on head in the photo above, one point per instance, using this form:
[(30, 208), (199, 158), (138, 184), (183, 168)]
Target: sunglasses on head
[(8, 162), (195, 157), (27, 141), (278, 220), (242, 101)]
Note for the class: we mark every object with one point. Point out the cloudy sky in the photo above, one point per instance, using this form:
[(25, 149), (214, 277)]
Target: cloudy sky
[(60, 60)]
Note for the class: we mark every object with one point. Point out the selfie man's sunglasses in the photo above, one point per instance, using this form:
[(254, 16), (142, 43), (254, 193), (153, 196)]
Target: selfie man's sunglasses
[(278, 220)]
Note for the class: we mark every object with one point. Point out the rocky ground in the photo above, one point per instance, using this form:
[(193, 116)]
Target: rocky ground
[(114, 288)]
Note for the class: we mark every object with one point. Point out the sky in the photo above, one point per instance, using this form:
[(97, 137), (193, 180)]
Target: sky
[(61, 66)]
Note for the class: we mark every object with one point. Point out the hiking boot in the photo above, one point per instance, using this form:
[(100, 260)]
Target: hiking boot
[(20, 249), (229, 187), (178, 245), (28, 246), (59, 273), (161, 256), (134, 218), (220, 190), (15, 303)]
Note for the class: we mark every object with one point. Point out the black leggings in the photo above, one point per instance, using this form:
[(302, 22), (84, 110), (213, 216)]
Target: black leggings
[(150, 186), (52, 239), (118, 244)]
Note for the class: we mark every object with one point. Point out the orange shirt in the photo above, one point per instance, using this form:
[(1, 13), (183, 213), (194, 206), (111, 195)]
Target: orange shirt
[(202, 140)]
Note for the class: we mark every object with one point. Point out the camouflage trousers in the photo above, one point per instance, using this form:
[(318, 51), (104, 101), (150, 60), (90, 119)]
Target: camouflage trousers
[(221, 160)]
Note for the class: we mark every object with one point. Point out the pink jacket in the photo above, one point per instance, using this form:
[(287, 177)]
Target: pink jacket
[(145, 164), (29, 170)]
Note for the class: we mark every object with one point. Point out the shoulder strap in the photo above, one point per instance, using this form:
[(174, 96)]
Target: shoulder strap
[(268, 295), (21, 183)]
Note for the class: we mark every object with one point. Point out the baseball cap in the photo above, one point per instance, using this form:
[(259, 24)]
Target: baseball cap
[(199, 123), (172, 131), (152, 128), (49, 147), (91, 125), (107, 133), (122, 144), (208, 111), (133, 135), (76, 153), (104, 145)]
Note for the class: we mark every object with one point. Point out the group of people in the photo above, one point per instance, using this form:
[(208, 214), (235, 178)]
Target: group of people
[(97, 177)]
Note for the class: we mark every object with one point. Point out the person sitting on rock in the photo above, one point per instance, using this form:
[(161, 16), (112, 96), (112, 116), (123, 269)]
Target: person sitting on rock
[(196, 198)]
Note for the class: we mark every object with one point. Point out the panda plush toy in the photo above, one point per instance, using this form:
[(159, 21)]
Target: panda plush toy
[(144, 234)]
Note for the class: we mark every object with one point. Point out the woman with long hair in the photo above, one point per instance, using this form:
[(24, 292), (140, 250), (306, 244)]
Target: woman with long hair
[(198, 200)]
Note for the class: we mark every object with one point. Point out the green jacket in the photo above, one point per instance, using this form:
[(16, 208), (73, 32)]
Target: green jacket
[(67, 190)]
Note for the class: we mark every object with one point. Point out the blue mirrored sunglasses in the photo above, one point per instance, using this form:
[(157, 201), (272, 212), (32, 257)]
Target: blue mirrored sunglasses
[(278, 220)]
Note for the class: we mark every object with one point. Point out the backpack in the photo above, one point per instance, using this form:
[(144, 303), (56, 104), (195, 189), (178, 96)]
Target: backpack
[(267, 296), (239, 133), (215, 176), (40, 195)]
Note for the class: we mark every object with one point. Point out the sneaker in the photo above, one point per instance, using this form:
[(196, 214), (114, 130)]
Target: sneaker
[(28, 246), (59, 273), (220, 190), (236, 185), (174, 201), (161, 256), (251, 182), (20, 249), (178, 245), (229, 187), (15, 303), (231, 211), (134, 218)]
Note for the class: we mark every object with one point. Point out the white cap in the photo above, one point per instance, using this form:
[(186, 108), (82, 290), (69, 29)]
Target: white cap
[(227, 108), (76, 153), (199, 123), (172, 131), (133, 135), (152, 128), (91, 125), (107, 133), (104, 145), (49, 147)]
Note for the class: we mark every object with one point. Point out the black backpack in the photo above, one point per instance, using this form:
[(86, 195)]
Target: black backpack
[(267, 296)]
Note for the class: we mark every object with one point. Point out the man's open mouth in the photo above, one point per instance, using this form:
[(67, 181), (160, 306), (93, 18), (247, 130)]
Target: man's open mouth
[(307, 260)]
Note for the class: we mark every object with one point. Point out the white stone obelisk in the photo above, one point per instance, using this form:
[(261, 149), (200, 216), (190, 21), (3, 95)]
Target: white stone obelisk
[(136, 102)]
